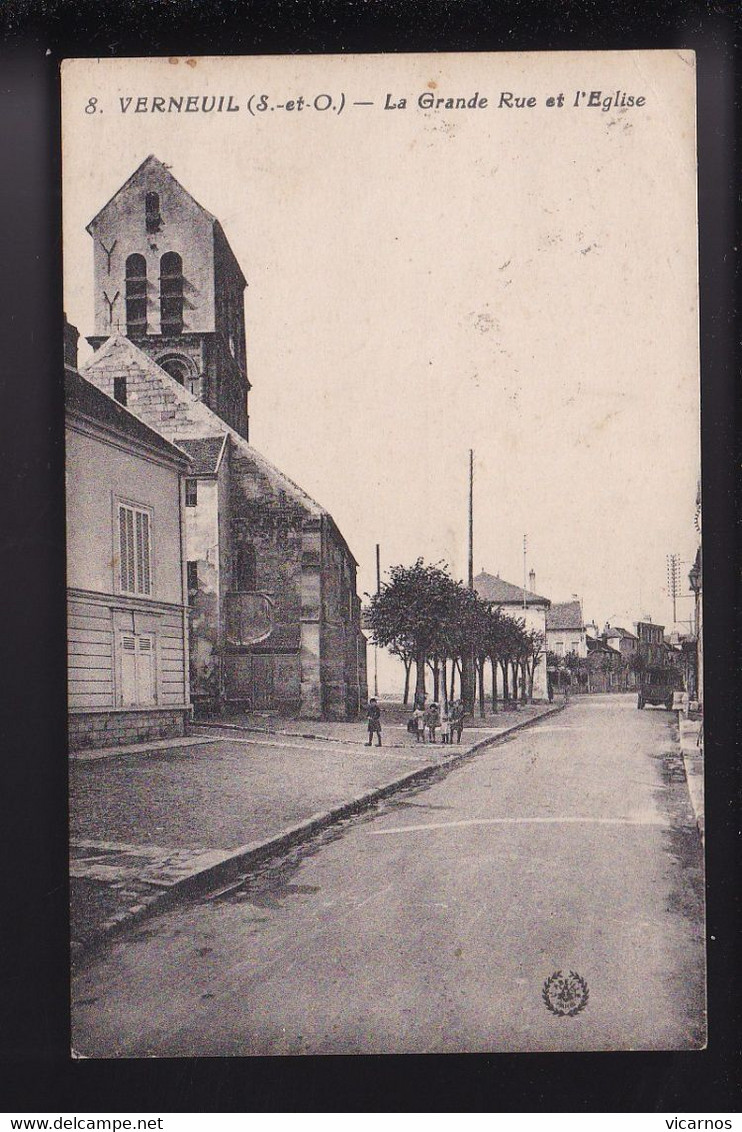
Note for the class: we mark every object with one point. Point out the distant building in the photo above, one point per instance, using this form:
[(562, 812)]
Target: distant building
[(626, 644), (275, 617), (517, 602), (605, 671), (695, 579), (565, 629), (126, 605), (651, 642)]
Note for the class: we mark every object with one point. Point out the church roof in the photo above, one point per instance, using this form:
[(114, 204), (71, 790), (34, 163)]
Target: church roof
[(564, 615), (84, 399), (182, 417), (494, 589)]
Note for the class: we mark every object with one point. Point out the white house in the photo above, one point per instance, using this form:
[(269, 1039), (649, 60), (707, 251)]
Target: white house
[(520, 603)]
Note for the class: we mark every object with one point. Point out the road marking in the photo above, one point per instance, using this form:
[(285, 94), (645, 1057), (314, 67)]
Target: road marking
[(515, 821)]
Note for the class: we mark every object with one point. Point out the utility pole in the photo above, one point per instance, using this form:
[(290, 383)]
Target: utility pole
[(376, 647), (471, 518), (525, 542), (468, 691), (673, 581)]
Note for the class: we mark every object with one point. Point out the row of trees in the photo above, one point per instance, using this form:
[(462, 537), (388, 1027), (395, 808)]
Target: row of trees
[(437, 624), (579, 670)]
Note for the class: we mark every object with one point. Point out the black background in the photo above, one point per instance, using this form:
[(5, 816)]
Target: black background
[(36, 1073)]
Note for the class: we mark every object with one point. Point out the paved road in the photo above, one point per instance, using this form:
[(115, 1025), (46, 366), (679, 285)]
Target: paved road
[(433, 923)]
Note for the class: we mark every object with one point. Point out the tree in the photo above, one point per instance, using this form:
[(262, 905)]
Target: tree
[(414, 611), (405, 651), (531, 653)]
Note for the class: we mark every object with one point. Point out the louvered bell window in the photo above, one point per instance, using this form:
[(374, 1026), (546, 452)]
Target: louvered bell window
[(135, 567)]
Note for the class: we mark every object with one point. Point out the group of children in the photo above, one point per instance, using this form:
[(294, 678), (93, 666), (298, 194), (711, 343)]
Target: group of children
[(424, 723), (427, 720)]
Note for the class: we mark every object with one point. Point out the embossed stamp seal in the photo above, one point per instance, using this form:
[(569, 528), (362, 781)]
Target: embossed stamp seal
[(566, 994)]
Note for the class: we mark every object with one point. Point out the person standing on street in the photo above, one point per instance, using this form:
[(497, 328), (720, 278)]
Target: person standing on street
[(374, 722)]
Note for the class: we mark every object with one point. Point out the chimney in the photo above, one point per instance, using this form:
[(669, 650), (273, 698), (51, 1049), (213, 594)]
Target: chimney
[(71, 336), (532, 580)]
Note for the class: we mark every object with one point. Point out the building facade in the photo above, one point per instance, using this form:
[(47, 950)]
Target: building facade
[(627, 646), (565, 629), (275, 619), (651, 643), (127, 615), (523, 604)]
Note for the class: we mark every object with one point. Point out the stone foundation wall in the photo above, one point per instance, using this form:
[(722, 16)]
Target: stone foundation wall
[(117, 729)]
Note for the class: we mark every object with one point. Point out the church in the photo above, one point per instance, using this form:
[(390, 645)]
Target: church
[(274, 614)]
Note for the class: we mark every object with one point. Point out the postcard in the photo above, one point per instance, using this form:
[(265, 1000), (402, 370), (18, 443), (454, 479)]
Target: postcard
[(384, 554)]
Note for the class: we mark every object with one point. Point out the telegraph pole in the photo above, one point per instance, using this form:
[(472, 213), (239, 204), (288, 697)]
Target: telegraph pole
[(673, 579), (525, 543), (471, 518), (376, 647), (468, 690)]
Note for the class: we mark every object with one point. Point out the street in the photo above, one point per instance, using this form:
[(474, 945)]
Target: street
[(431, 923)]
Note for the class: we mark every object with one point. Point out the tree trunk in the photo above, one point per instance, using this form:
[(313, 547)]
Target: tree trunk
[(444, 684), (505, 688), (436, 680), (407, 673), (493, 664), (420, 661), (467, 682), (480, 669), (453, 681)]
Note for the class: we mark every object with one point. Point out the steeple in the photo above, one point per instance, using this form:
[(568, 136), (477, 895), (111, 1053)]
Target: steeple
[(166, 277)]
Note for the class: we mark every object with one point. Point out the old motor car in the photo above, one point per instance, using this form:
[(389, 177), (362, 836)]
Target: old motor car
[(657, 686)]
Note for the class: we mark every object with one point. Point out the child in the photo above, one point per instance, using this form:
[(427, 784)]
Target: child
[(457, 720), (418, 716), (445, 726), (374, 722), (432, 720)]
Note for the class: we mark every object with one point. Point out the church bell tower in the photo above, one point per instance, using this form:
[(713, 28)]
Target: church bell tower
[(166, 277)]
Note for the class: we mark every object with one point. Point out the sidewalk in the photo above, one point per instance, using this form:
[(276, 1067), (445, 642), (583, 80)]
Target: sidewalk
[(157, 823), (693, 759)]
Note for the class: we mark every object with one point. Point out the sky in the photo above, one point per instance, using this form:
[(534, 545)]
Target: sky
[(518, 281)]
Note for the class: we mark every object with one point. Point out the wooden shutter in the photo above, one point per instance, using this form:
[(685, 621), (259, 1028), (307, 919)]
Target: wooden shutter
[(137, 670), (126, 549), (145, 671), (142, 560), (128, 669), (135, 562)]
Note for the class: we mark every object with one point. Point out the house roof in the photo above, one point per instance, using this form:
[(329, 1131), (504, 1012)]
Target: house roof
[(618, 631), (189, 419), (597, 646), (564, 615), (491, 587), (205, 453), (82, 398)]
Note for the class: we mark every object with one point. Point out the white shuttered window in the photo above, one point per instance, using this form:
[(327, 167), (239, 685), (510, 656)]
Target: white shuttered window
[(135, 567), (137, 670)]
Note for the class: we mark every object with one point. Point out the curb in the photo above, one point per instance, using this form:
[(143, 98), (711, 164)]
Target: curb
[(239, 863), (697, 811), (270, 731)]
